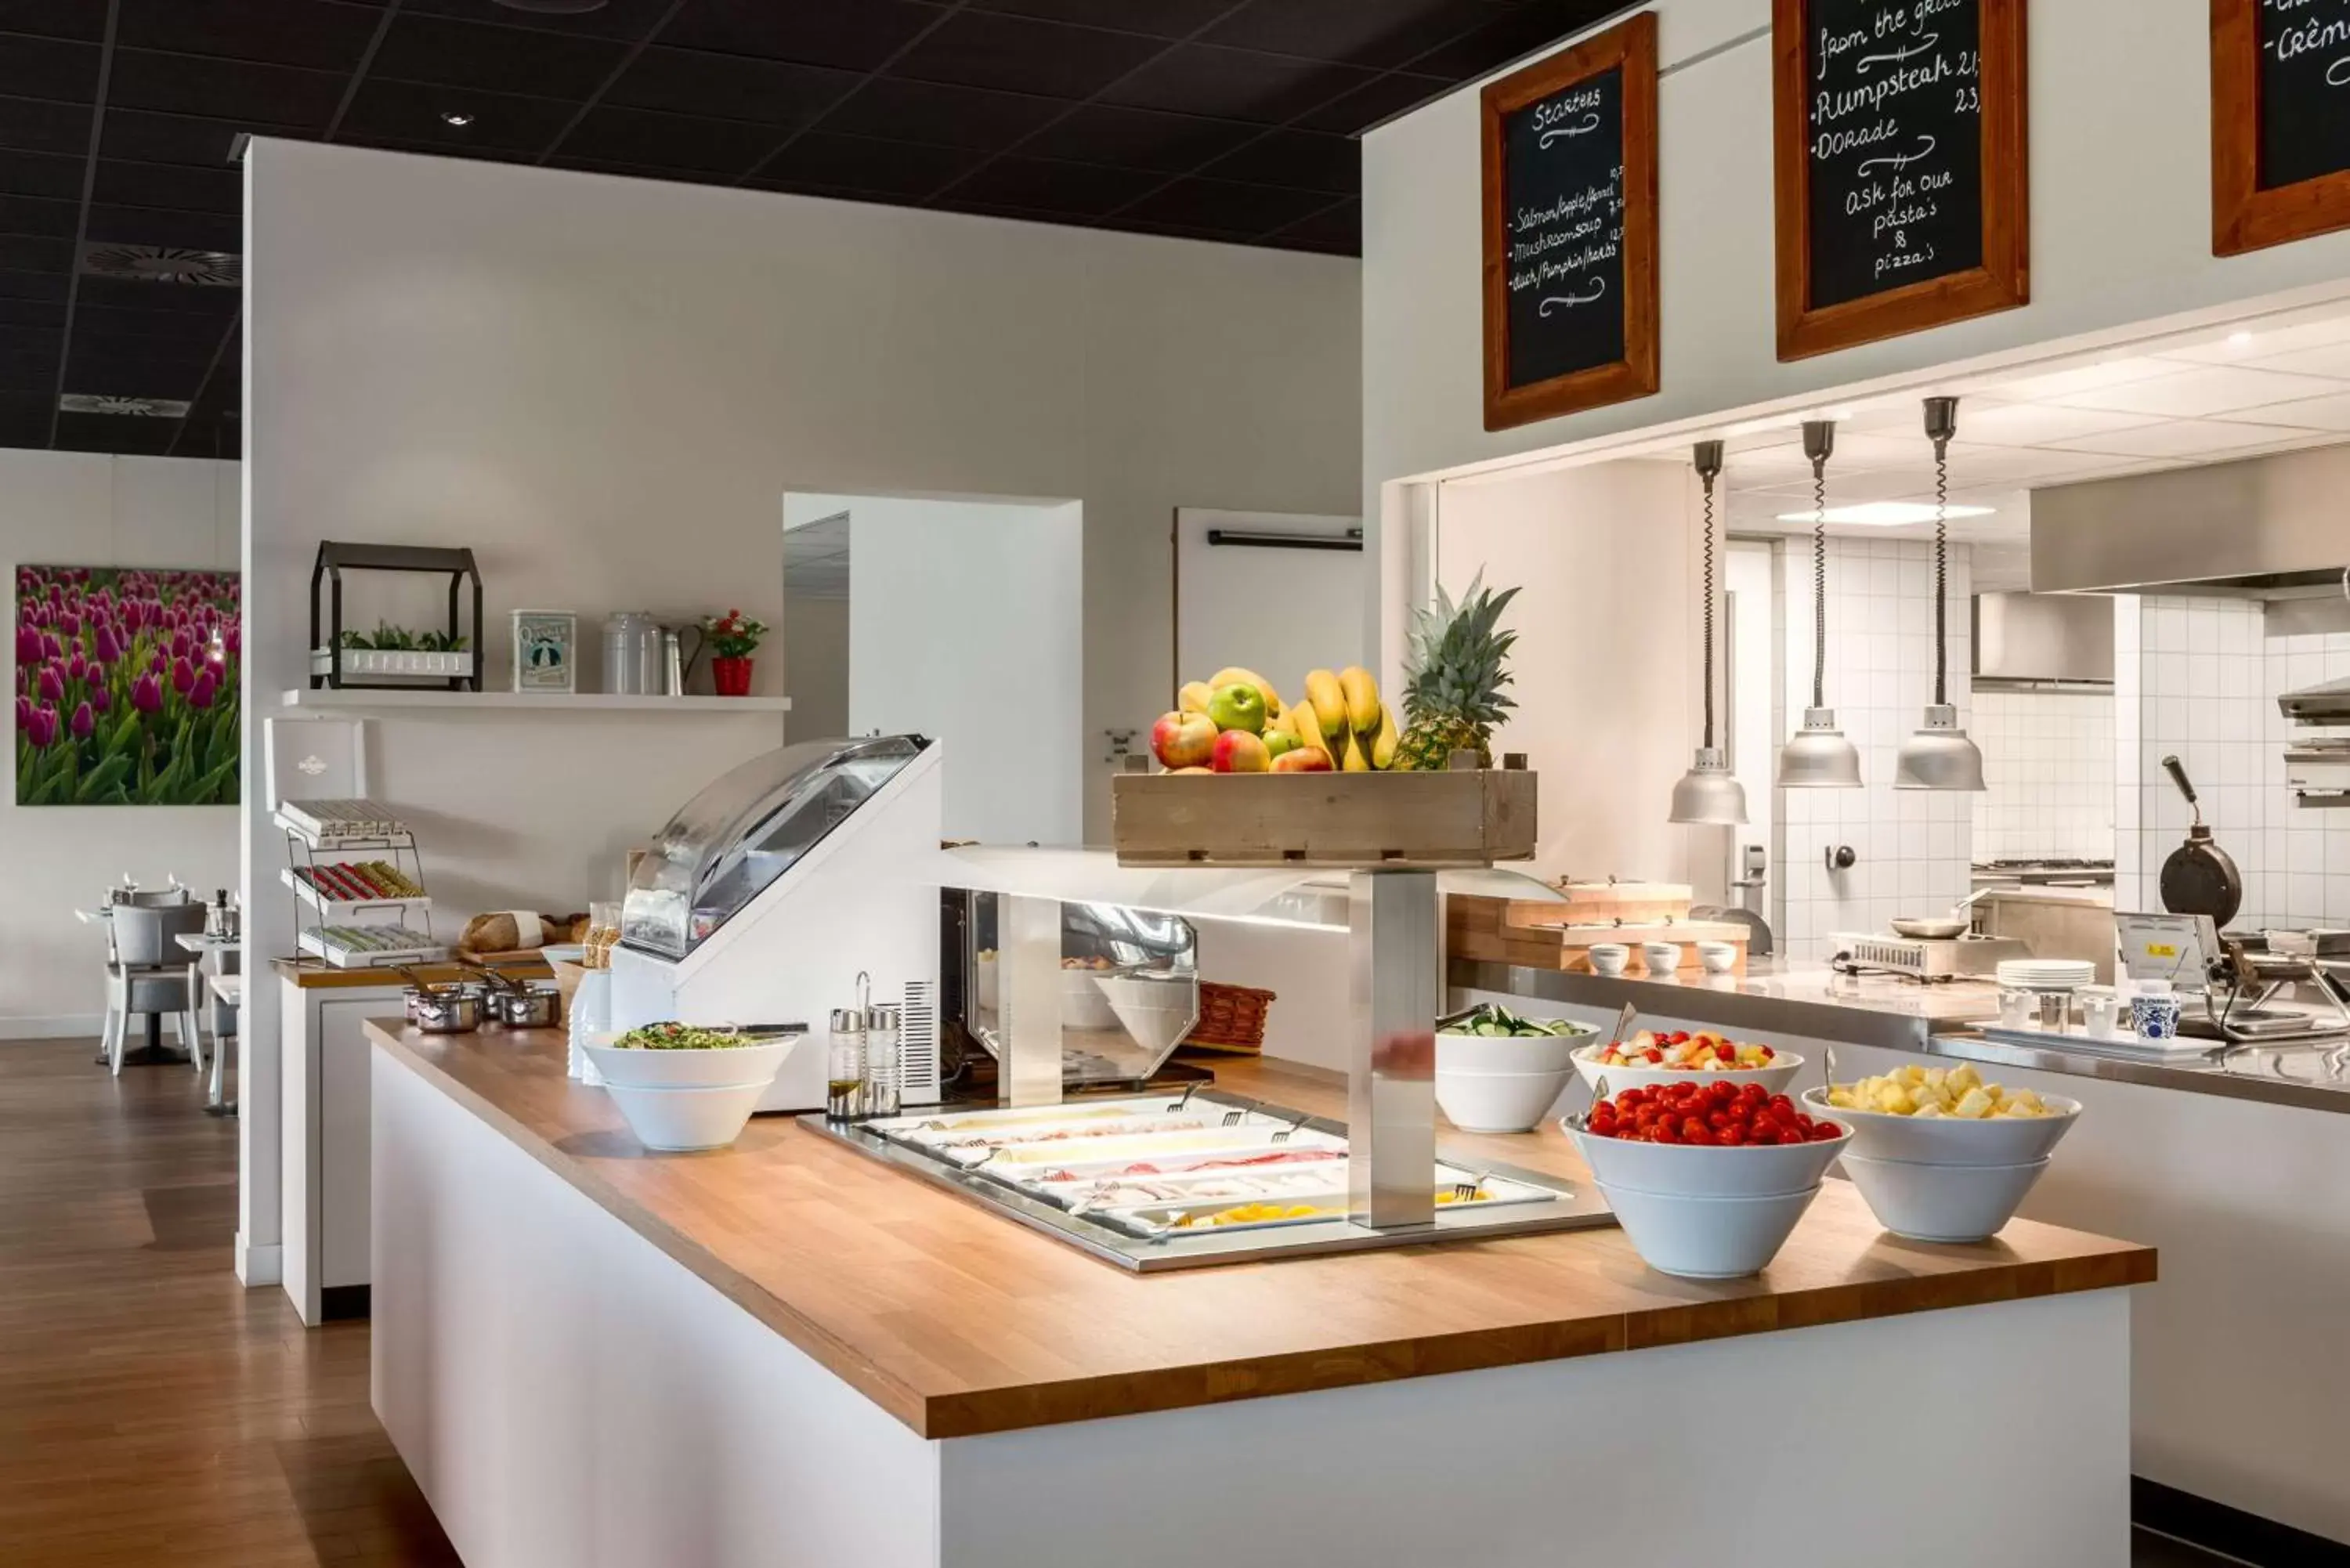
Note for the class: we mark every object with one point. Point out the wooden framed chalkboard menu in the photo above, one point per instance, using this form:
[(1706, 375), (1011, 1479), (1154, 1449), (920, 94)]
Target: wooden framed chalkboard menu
[(1570, 219), (1900, 157), (2280, 122)]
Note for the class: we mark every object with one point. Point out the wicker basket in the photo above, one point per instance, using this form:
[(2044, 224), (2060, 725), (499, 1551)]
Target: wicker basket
[(1232, 1018)]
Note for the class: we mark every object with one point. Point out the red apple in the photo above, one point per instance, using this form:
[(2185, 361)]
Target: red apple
[(1303, 760), (1239, 752), (1183, 740)]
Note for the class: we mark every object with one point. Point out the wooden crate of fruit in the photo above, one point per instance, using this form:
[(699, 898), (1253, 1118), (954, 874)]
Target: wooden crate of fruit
[(1400, 821)]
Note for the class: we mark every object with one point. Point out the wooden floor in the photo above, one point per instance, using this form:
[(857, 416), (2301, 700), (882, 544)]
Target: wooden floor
[(152, 1410)]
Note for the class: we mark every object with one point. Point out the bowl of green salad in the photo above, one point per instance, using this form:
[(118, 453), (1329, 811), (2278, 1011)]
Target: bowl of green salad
[(686, 1085)]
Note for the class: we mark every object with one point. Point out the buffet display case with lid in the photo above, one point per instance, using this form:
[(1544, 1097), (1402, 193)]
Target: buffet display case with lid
[(769, 892)]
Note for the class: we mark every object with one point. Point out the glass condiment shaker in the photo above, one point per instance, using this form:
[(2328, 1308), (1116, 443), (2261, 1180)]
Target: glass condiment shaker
[(881, 1082), (844, 1076)]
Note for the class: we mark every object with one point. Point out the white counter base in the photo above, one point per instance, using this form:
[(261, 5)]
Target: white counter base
[(568, 1396)]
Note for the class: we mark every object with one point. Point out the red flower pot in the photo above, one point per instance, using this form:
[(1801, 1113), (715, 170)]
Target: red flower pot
[(731, 677)]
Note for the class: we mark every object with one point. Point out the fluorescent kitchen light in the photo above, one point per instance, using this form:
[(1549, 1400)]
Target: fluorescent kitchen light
[(1882, 514)]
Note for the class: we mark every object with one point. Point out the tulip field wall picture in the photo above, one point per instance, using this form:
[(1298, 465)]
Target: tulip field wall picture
[(126, 686)]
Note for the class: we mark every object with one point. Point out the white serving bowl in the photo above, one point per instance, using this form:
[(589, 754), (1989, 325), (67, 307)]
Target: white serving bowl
[(1511, 1054), (626, 1067), (1663, 959), (1609, 959), (1156, 1012), (1680, 1169), (1942, 1202), (1083, 1005), (1498, 1102), (1702, 1238), (1951, 1140), (1775, 1077), (708, 1116), (1718, 958)]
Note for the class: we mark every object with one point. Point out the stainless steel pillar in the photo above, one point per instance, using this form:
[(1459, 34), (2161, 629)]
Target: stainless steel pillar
[(1395, 956), (1028, 975)]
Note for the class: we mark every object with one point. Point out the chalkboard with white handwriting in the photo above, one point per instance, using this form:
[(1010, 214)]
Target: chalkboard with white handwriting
[(1562, 192), (1893, 92), (2304, 90)]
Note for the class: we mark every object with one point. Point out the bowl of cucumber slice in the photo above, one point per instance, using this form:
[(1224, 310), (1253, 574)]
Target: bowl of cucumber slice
[(1498, 1071)]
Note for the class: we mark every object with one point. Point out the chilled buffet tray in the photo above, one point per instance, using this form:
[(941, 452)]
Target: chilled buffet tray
[(1169, 1181)]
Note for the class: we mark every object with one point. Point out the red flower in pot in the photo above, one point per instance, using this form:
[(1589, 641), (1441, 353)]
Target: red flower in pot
[(734, 638)]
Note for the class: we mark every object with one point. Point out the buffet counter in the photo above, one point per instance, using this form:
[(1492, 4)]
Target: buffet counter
[(786, 1352)]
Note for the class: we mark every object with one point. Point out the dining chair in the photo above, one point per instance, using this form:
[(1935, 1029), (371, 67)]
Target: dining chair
[(149, 975)]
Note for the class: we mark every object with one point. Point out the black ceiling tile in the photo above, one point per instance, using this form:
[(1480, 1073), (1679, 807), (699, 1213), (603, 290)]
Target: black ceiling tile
[(924, 111), (185, 333), (156, 226), (32, 313), (693, 82), (134, 370), (31, 215), (1140, 139), (220, 190), (49, 68), (1219, 203), (452, 53), (1235, 84), (1015, 54), (865, 165), (51, 174), (224, 89), (313, 32), (1159, 18), (1382, 33), (1513, 34), (33, 285), (148, 138), (410, 113), (1309, 160), (29, 125), (1129, 224), (1338, 228), (30, 253), (853, 35), (627, 20), (1380, 100), (123, 433), (1064, 190), (28, 372), (670, 141), (209, 302), (31, 340), (83, 19)]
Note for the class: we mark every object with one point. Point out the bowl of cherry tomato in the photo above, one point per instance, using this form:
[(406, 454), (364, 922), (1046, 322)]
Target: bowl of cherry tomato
[(1708, 1177)]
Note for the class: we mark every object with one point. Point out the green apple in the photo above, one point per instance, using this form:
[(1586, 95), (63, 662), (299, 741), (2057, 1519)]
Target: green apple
[(1278, 742), (1238, 707)]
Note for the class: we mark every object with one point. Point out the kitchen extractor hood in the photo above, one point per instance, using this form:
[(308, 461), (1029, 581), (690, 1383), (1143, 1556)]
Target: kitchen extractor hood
[(2269, 528), (2328, 704), (2044, 639)]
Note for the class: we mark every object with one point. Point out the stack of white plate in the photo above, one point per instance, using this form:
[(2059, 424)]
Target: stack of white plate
[(2046, 974)]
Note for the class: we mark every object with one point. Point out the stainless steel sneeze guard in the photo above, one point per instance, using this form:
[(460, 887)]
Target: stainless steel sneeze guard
[(1562, 1207)]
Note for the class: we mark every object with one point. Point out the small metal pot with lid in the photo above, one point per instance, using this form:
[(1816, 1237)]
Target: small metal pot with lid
[(528, 1004), (445, 1008)]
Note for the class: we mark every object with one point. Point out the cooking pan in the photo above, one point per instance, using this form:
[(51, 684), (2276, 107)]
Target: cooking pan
[(2199, 878)]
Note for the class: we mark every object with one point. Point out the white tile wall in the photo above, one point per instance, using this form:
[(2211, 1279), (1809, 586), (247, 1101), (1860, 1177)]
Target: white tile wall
[(2048, 757), (2196, 677), (1914, 847)]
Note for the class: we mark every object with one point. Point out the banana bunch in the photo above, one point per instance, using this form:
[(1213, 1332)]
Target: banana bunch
[(1343, 715)]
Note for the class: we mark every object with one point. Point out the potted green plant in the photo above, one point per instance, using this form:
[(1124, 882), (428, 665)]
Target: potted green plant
[(733, 639)]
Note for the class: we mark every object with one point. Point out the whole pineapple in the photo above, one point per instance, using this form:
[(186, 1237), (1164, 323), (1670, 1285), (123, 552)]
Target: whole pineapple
[(1453, 678)]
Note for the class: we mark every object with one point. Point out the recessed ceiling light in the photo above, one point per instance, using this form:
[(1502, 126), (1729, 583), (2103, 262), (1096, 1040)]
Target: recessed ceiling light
[(1844, 414), (1883, 514), (456, 117), (2239, 340)]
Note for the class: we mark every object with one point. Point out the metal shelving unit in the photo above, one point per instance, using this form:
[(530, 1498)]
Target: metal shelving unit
[(316, 916)]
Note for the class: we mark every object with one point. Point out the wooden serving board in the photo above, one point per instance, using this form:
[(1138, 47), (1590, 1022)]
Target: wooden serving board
[(1503, 930), (1398, 821)]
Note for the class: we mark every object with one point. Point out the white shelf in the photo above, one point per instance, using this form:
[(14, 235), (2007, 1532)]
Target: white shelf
[(342, 911), (361, 698), (343, 958)]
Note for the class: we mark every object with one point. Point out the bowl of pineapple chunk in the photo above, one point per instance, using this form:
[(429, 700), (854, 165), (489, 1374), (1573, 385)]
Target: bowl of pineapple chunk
[(1936, 1116)]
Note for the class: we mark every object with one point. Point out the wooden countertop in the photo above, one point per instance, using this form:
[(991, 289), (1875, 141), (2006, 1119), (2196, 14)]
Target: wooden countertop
[(311, 975), (959, 1322)]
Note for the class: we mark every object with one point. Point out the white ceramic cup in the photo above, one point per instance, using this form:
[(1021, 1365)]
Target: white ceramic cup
[(1719, 958), (1610, 958), (2098, 1005), (2017, 1007), (1663, 959)]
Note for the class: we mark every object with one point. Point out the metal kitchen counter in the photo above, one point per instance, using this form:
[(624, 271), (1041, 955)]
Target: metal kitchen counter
[(1813, 1001)]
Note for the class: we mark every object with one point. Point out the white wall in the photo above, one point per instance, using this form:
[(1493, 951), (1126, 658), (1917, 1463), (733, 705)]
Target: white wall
[(68, 509), (815, 636), (603, 385), (966, 623), (1607, 678), (2048, 757)]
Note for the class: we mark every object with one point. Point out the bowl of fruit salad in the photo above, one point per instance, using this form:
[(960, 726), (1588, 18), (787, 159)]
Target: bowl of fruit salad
[(1934, 1116), (1708, 1178), (1496, 1072), (1652, 1057)]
